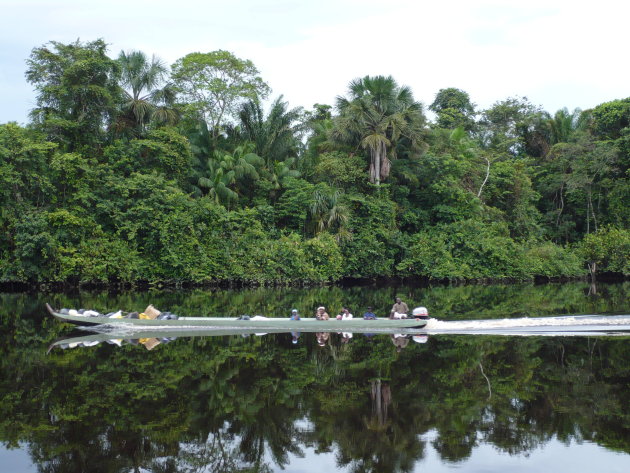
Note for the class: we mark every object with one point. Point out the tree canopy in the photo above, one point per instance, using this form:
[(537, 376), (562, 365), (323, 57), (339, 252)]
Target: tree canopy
[(133, 173)]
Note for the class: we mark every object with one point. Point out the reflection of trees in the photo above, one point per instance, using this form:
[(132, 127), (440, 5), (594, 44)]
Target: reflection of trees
[(218, 453), (381, 395), (461, 302)]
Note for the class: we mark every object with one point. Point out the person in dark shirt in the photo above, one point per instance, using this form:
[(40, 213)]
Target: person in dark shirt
[(369, 315)]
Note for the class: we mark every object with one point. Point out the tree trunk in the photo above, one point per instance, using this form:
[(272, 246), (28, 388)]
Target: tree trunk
[(386, 165), (487, 176), (377, 166)]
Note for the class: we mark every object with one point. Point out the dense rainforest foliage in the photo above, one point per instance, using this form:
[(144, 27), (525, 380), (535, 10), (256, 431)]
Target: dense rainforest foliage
[(133, 171)]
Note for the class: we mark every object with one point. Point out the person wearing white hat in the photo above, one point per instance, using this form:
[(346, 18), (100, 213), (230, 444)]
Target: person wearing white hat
[(321, 313), (295, 315)]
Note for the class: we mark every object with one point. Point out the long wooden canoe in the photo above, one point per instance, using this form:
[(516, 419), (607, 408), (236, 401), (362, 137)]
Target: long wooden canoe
[(358, 325)]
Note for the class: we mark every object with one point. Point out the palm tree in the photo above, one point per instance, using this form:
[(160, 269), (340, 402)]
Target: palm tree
[(328, 211), (225, 175), (141, 79), (564, 124), (376, 116), (276, 137)]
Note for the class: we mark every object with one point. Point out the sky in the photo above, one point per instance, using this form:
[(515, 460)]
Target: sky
[(557, 53)]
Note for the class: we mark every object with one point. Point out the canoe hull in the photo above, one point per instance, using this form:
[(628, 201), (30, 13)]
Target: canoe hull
[(276, 324)]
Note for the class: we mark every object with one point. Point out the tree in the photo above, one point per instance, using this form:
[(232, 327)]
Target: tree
[(504, 126), (454, 109), (564, 124), (276, 136), (77, 91), (608, 249), (144, 99), (226, 175), (328, 211), (375, 117), (215, 84), (611, 118)]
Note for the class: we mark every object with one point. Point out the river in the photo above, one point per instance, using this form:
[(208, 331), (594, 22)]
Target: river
[(505, 378)]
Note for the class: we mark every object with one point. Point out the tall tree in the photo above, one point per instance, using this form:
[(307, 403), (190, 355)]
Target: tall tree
[(214, 85), (564, 124), (453, 109), (506, 125), (77, 91), (276, 136), (377, 114), (147, 95)]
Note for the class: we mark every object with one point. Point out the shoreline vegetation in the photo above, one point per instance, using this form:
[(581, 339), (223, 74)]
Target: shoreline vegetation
[(134, 174)]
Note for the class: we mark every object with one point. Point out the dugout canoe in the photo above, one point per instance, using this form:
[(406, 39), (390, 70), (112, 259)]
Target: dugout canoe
[(358, 325)]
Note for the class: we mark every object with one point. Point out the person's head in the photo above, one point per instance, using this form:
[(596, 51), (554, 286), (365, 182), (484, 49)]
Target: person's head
[(321, 309), (294, 311), (398, 300), (345, 309), (369, 309)]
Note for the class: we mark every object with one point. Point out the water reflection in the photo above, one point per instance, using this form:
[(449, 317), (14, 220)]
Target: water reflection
[(234, 403)]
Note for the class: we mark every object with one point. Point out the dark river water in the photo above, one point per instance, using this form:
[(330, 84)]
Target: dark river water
[(505, 378)]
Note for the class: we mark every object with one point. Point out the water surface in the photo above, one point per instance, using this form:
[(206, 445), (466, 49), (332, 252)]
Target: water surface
[(263, 403)]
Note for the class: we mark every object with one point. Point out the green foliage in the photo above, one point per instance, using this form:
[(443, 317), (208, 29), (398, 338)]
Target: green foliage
[(144, 99), (611, 118), (608, 249), (553, 261), (96, 189), (293, 206), (378, 114), (24, 168), (163, 150), (510, 190), (454, 109), (276, 136), (340, 170), (215, 83), (464, 250), (77, 91), (324, 257)]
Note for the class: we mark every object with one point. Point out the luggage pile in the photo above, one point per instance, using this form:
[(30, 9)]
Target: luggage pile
[(149, 313)]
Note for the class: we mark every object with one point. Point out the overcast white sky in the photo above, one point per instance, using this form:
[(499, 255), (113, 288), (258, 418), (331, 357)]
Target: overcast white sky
[(557, 53)]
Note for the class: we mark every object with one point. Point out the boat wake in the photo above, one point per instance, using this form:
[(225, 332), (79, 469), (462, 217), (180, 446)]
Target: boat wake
[(582, 325), (572, 325)]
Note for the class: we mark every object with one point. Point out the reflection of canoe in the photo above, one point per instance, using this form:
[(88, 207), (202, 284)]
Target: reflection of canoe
[(263, 324), (129, 335)]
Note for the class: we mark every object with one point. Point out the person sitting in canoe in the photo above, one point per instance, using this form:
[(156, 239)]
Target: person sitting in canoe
[(399, 310), (321, 313), (344, 314), (369, 315), (295, 315)]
